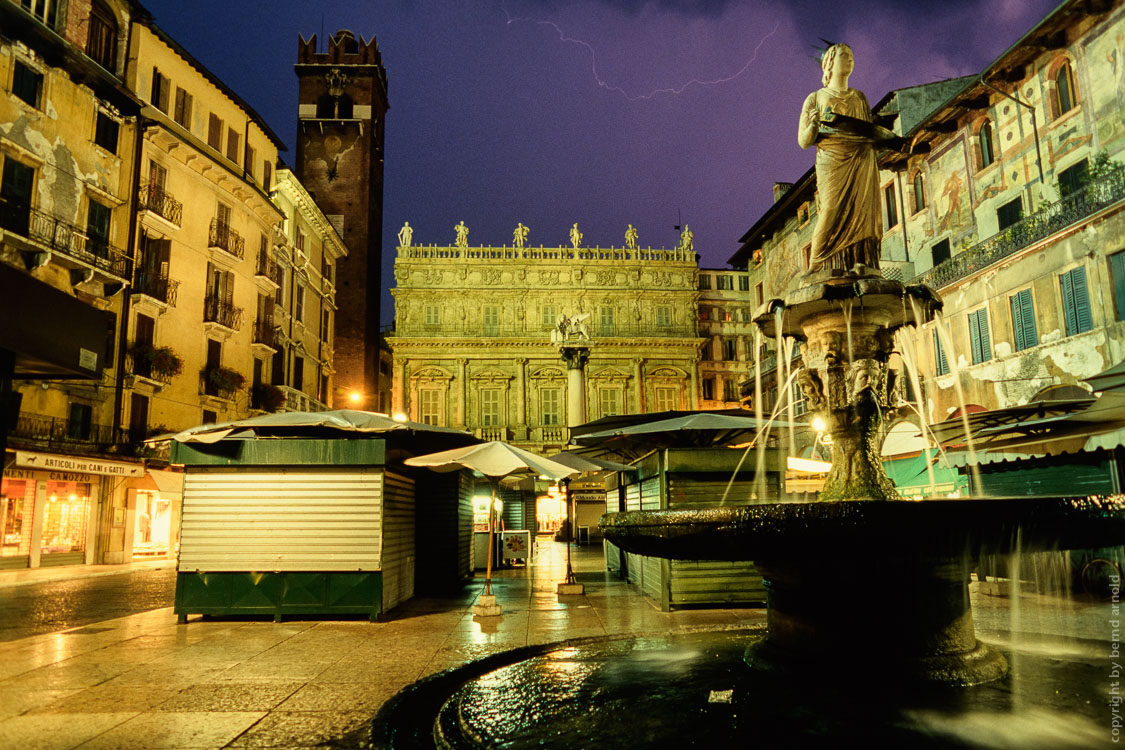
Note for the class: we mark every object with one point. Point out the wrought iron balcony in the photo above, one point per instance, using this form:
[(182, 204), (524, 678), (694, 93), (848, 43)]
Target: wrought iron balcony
[(264, 332), (64, 238), (296, 400), (139, 362), (226, 239), (153, 198), (268, 268), (1050, 219), (152, 284), (42, 431), (216, 310)]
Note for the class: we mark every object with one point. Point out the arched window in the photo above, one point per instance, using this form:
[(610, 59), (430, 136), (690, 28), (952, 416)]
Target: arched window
[(919, 192), (101, 41), (1064, 90), (987, 155)]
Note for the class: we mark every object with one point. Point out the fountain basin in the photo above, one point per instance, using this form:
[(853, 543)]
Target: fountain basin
[(872, 587)]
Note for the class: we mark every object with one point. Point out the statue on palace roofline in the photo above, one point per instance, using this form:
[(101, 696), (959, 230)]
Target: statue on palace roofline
[(687, 239), (462, 234), (631, 238), (405, 235), (837, 119), (519, 236), (575, 236)]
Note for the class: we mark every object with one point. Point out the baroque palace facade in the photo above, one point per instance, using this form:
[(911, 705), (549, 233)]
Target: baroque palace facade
[(1012, 207), (139, 189), (473, 338)]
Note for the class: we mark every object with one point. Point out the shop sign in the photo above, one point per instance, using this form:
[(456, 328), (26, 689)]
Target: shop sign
[(64, 466)]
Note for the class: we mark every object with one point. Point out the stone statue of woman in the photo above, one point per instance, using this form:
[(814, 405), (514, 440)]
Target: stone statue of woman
[(838, 120)]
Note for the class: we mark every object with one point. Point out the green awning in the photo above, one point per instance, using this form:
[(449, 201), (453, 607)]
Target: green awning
[(910, 473)]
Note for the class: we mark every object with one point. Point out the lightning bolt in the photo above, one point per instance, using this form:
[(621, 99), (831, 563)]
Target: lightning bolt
[(602, 83)]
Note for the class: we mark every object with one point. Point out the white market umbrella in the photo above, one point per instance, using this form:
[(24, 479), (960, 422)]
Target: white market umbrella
[(495, 460)]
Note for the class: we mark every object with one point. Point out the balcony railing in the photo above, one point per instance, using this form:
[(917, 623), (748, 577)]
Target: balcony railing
[(268, 268), (492, 433), (1051, 218), (141, 366), (264, 331), (64, 237), (226, 239), (153, 285), (153, 198), (296, 400), (223, 313), (553, 434), (43, 431)]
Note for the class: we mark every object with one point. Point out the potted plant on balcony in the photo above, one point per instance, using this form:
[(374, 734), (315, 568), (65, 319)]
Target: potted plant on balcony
[(166, 362), (224, 379), (267, 397)]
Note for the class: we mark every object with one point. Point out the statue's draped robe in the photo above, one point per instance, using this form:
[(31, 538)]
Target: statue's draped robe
[(849, 226)]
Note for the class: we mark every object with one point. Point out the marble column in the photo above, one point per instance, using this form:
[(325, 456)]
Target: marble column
[(575, 358)]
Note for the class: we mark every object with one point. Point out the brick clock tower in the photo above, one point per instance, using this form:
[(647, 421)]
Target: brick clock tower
[(342, 102)]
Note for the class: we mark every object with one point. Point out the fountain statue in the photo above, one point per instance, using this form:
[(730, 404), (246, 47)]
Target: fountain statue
[(867, 594)]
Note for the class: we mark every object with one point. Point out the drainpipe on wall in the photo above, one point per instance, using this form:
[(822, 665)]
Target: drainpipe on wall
[(1034, 130)]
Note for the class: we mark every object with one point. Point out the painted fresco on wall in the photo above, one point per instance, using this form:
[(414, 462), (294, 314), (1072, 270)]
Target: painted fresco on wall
[(785, 263), (1105, 56), (950, 192)]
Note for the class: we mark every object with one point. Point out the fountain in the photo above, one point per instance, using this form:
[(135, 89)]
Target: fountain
[(869, 623)]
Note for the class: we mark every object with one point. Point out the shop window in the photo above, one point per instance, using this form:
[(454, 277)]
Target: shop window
[(101, 36), (939, 252), (985, 145), (1064, 98), (1023, 320), (106, 131), (27, 84), (941, 364), (215, 132), (609, 401), (183, 108), (79, 422), (980, 339), (666, 398), (1076, 301), (919, 192), (550, 403), (152, 526), (161, 91), (606, 324), (1008, 214), (17, 509), (490, 407), (890, 206), (65, 520), (1073, 178)]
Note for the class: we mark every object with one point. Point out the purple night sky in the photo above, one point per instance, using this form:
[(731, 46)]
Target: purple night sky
[(498, 114)]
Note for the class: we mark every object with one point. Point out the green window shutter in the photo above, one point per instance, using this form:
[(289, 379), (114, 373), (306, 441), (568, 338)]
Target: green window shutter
[(941, 364), (1117, 269), (979, 336), (1023, 320), (1076, 301)]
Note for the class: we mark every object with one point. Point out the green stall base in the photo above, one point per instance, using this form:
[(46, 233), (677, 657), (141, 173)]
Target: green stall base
[(279, 594)]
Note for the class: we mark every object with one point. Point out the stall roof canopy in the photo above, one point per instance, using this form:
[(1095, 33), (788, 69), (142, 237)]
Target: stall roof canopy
[(676, 428), (343, 422)]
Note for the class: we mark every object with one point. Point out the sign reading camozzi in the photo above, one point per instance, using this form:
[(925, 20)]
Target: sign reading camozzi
[(79, 465)]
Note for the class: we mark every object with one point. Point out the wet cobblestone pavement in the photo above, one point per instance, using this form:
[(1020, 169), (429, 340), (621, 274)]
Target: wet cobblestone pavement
[(51, 606)]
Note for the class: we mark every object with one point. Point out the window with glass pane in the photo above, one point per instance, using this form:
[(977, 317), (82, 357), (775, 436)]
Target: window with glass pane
[(101, 36), (1073, 178), (987, 155), (17, 509), (78, 425), (27, 84), (1008, 214), (431, 405), (1076, 301), (723, 281), (161, 91), (491, 320), (490, 407), (1064, 90), (730, 350), (97, 228), (665, 398), (919, 193), (704, 281), (1023, 320), (743, 283), (65, 518), (548, 317), (708, 389), (105, 132), (980, 339), (609, 401), (800, 406), (1117, 272), (890, 205), (605, 321), (663, 316), (183, 108), (433, 315), (550, 400)]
